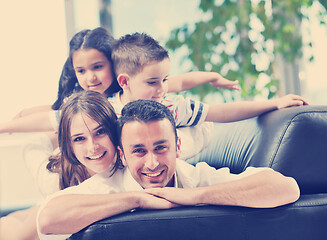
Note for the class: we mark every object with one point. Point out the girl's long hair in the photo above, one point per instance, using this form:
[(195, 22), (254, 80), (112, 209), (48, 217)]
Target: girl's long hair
[(98, 39), (96, 106)]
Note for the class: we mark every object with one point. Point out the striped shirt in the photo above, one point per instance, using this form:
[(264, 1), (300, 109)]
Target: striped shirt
[(186, 111)]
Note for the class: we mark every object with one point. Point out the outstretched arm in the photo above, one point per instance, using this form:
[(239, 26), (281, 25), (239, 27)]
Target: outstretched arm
[(236, 111), (70, 213), (32, 110), (193, 79), (261, 190), (19, 225), (37, 122)]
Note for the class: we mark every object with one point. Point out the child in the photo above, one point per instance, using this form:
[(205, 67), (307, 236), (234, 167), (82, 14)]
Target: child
[(89, 67), (142, 68), (99, 42)]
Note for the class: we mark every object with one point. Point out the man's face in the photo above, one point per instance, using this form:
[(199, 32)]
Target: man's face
[(150, 152), (151, 83)]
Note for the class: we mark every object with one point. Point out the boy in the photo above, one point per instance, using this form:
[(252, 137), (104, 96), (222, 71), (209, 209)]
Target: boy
[(142, 68), (154, 179)]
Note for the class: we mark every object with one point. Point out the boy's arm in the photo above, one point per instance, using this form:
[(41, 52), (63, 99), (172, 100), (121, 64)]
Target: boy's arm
[(192, 79), (261, 190), (69, 214), (236, 111), (37, 122), (33, 110)]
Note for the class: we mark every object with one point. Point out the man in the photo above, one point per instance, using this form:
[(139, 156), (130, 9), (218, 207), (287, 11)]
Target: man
[(154, 178)]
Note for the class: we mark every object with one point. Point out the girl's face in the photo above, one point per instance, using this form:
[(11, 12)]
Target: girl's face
[(91, 144), (92, 69)]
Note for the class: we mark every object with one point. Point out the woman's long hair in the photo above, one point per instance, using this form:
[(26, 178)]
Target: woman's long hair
[(97, 107), (98, 39)]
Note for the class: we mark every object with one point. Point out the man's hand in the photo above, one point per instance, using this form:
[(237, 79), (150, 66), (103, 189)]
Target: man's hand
[(181, 196), (150, 201)]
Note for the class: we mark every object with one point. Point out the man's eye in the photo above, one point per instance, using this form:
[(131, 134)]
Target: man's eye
[(160, 148), (139, 151)]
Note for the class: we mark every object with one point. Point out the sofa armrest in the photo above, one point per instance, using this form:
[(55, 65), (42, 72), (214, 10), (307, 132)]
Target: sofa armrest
[(293, 141), (300, 220)]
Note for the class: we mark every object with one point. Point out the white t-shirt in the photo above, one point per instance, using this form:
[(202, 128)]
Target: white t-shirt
[(186, 176), (36, 153)]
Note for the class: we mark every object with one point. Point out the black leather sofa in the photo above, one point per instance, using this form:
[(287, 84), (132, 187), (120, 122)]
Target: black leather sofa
[(292, 141)]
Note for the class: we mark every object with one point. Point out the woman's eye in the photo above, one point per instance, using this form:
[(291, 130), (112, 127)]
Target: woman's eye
[(101, 131), (80, 71), (164, 80), (78, 139)]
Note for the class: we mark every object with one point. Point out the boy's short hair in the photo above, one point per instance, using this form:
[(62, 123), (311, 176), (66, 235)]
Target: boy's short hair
[(144, 111), (132, 52)]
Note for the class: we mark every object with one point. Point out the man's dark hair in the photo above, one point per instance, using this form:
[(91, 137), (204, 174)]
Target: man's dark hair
[(144, 111)]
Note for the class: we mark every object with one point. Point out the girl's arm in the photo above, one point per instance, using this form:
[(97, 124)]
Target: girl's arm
[(37, 122), (33, 110), (192, 79), (236, 111)]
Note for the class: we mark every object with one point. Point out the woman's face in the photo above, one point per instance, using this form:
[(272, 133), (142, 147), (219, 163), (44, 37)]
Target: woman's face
[(91, 144), (92, 69)]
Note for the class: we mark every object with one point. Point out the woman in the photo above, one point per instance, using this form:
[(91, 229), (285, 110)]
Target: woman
[(87, 141)]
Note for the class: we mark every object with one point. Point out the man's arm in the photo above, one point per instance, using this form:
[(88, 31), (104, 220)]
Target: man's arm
[(37, 122), (69, 214), (265, 189), (236, 111), (193, 79)]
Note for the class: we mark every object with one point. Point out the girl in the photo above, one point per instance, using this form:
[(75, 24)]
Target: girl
[(89, 67), (73, 78), (87, 140)]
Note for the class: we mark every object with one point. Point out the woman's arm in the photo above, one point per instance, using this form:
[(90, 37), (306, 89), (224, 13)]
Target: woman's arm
[(19, 225), (192, 79), (69, 214)]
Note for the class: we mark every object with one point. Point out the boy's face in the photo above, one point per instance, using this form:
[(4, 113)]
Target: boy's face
[(150, 152), (92, 69), (150, 84)]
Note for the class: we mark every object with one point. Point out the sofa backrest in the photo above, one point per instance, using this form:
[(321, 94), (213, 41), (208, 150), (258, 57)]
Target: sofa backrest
[(293, 141)]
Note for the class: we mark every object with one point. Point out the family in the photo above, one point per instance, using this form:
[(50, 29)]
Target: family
[(108, 165)]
